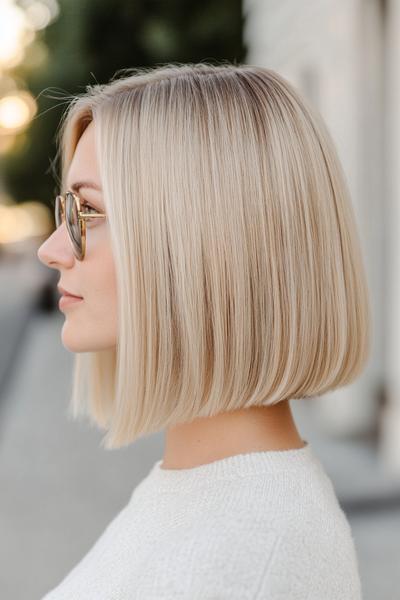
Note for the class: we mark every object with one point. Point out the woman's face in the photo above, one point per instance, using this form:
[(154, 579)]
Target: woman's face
[(90, 324)]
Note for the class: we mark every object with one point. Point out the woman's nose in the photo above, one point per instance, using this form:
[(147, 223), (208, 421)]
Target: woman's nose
[(57, 249)]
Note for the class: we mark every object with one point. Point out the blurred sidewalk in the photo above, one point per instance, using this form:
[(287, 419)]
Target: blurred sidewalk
[(55, 477), (22, 278)]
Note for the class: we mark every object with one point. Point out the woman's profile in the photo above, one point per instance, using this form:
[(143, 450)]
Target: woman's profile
[(205, 225)]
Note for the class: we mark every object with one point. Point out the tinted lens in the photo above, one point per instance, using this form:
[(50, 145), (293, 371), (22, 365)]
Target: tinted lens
[(72, 221)]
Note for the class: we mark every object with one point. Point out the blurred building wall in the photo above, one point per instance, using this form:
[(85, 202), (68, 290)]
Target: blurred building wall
[(391, 172)]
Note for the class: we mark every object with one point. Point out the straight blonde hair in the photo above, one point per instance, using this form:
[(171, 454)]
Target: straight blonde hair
[(240, 276)]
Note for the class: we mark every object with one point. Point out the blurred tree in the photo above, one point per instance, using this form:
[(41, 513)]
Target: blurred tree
[(92, 40)]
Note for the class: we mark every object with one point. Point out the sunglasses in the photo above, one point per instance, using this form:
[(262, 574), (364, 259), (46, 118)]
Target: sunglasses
[(69, 207)]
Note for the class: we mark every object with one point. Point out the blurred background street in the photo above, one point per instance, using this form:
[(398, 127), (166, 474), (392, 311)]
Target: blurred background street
[(58, 488)]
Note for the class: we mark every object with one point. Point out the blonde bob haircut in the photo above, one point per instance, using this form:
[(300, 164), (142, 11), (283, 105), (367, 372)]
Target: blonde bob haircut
[(240, 275)]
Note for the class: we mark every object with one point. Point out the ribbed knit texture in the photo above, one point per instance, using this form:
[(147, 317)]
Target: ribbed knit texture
[(258, 525)]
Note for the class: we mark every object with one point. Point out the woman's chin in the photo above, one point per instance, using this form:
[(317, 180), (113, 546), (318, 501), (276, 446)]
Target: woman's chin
[(73, 340)]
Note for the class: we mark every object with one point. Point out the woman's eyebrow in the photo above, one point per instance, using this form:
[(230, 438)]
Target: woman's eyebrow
[(75, 187)]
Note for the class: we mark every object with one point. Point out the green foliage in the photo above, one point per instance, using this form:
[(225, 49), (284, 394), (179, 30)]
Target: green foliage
[(92, 40)]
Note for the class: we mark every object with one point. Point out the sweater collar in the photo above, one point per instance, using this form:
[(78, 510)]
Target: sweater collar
[(236, 466)]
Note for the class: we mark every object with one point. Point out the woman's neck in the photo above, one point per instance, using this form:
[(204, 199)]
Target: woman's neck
[(255, 429)]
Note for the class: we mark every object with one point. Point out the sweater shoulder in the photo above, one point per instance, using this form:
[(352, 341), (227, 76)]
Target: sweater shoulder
[(259, 538)]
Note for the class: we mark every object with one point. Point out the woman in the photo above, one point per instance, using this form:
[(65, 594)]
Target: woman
[(220, 275)]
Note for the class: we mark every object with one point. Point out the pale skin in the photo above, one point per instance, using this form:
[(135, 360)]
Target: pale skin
[(91, 325)]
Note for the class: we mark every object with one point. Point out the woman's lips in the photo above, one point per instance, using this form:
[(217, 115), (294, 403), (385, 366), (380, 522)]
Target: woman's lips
[(64, 292)]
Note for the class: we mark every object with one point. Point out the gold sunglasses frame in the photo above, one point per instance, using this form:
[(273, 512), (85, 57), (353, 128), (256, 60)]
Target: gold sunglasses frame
[(82, 217)]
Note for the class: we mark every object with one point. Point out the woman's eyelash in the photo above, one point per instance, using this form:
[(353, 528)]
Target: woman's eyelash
[(85, 204)]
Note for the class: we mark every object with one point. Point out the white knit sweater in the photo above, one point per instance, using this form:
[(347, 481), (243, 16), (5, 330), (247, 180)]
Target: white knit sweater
[(253, 526)]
